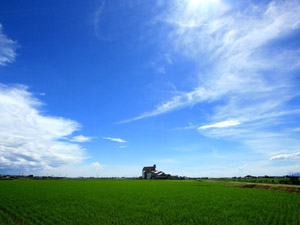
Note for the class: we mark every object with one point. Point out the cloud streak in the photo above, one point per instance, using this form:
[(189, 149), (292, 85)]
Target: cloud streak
[(228, 123), (114, 139), (236, 47), (286, 156), (7, 49), (81, 138)]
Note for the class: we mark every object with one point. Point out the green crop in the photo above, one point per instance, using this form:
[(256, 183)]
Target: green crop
[(142, 202)]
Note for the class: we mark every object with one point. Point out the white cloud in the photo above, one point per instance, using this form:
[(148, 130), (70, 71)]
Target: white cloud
[(30, 140), (7, 49), (247, 67), (123, 146), (228, 123), (234, 47), (81, 138), (114, 139), (286, 156)]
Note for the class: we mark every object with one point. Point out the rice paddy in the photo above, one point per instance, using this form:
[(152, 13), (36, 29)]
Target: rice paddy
[(83, 201)]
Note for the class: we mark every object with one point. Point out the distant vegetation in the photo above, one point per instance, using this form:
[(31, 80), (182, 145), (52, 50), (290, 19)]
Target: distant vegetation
[(83, 201), (292, 180)]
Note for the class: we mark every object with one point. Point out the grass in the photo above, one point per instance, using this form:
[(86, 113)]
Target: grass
[(264, 180), (273, 187), (142, 202)]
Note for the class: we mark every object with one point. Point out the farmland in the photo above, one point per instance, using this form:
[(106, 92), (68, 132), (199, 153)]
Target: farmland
[(74, 201), (265, 180)]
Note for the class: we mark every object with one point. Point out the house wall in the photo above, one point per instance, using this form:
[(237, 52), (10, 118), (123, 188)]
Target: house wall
[(145, 175)]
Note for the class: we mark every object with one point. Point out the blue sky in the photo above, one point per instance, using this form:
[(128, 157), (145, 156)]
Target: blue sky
[(103, 88)]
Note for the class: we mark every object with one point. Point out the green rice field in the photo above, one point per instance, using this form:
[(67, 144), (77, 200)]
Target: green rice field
[(72, 201)]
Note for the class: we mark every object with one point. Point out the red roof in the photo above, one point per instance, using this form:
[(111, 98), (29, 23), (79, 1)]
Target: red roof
[(148, 167)]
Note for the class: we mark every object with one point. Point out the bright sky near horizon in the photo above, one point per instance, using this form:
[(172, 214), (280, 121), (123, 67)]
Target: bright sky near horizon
[(103, 88)]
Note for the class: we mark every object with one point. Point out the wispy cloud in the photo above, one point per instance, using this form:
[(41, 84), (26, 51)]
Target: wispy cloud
[(286, 156), (247, 67), (96, 18), (7, 49), (179, 101), (228, 123), (235, 48), (81, 138), (30, 140), (114, 139)]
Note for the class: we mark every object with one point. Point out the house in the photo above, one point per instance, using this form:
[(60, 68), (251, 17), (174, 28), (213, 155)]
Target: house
[(150, 172), (147, 171)]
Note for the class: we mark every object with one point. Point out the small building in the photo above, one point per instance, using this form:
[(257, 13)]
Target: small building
[(150, 172), (147, 172)]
